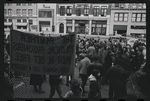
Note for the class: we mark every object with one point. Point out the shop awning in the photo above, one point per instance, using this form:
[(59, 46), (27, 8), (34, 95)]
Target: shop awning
[(120, 27), (21, 24), (7, 23)]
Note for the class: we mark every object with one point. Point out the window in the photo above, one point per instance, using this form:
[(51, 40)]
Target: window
[(30, 21), (5, 20), (24, 12), (45, 14), (18, 27), (61, 28), (62, 10), (9, 20), (121, 17), (9, 11), (18, 20), (18, 4), (30, 12), (78, 11), (116, 4), (68, 26), (103, 10), (138, 27), (96, 11), (98, 28), (69, 10), (24, 20), (23, 4), (138, 17), (24, 27), (18, 11), (5, 11), (29, 4), (86, 10), (143, 17)]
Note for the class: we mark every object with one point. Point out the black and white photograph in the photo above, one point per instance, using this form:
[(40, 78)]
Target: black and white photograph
[(75, 50)]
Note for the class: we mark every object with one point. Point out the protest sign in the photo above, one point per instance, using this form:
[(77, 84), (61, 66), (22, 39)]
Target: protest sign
[(42, 55)]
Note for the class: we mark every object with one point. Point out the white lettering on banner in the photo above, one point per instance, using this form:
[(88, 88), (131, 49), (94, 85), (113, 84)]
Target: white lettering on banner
[(42, 55)]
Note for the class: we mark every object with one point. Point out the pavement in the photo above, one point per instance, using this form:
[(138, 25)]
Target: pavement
[(25, 90)]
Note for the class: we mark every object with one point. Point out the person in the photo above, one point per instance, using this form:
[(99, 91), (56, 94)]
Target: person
[(102, 53), (75, 91), (95, 72), (83, 66), (117, 77), (91, 51), (37, 80), (55, 81), (108, 61)]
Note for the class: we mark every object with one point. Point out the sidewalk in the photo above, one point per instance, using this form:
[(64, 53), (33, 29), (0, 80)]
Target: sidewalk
[(26, 90)]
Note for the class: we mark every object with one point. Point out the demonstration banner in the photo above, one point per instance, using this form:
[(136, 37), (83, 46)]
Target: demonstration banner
[(43, 55)]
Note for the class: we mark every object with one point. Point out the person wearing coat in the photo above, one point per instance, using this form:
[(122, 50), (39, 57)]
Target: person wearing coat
[(117, 77), (83, 67)]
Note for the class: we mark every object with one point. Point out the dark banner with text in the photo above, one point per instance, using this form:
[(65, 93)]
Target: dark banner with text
[(42, 55)]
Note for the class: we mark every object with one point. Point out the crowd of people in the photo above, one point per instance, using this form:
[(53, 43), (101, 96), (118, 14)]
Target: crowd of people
[(101, 62), (116, 62)]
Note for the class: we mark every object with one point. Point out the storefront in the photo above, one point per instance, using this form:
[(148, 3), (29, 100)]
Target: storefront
[(120, 29), (98, 27), (81, 25), (44, 26)]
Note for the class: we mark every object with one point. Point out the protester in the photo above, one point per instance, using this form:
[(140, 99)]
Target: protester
[(55, 81), (117, 77), (91, 51), (95, 71), (75, 91), (37, 80), (95, 89), (83, 66)]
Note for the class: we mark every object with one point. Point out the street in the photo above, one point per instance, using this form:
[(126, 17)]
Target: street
[(26, 90)]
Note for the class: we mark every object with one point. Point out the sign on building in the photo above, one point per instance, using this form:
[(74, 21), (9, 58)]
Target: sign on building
[(42, 55)]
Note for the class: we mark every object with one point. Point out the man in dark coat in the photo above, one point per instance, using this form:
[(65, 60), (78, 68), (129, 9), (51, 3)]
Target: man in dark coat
[(117, 77)]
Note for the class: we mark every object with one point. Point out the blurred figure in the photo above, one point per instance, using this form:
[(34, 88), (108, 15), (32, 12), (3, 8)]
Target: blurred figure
[(83, 66), (37, 80), (55, 81), (75, 91), (91, 51), (95, 72), (117, 78)]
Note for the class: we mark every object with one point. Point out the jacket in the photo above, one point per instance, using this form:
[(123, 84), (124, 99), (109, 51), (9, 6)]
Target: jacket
[(83, 65)]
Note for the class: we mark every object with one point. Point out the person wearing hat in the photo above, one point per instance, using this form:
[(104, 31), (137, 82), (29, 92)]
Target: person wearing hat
[(75, 91)]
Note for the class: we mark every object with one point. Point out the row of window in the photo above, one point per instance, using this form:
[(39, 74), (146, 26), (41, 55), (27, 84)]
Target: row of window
[(129, 5), (96, 11), (18, 20), (18, 4), (18, 11), (136, 17), (45, 14)]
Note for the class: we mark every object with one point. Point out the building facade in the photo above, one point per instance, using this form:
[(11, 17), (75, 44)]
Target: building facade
[(20, 16), (83, 18), (128, 19), (46, 17)]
